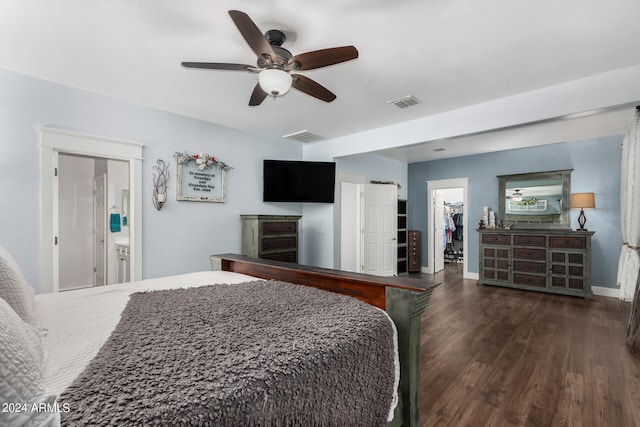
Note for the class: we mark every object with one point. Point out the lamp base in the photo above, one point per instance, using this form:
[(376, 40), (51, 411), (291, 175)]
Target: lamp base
[(582, 220)]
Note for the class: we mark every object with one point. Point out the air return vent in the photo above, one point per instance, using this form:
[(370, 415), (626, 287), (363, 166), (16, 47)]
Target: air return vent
[(304, 136), (405, 102)]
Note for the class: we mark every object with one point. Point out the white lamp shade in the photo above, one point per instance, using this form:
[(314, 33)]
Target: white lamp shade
[(275, 82)]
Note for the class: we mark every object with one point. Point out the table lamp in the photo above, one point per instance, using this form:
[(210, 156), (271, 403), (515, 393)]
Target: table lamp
[(582, 201)]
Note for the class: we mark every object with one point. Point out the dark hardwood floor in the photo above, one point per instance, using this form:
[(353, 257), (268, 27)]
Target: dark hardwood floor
[(503, 357)]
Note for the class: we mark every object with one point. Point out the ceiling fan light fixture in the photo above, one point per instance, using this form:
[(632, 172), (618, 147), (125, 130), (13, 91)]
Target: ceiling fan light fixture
[(517, 196), (275, 82)]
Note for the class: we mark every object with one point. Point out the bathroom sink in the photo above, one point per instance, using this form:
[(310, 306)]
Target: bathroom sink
[(121, 241)]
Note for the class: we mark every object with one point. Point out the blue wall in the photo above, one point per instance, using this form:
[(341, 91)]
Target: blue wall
[(596, 168), (177, 239)]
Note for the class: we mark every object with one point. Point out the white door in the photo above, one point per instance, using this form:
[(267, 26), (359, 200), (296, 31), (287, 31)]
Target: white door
[(99, 230), (438, 230), (380, 229), (75, 223)]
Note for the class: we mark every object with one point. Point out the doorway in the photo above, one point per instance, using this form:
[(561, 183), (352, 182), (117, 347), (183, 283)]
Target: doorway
[(90, 190), (368, 226), (453, 228), (128, 156), (350, 234), (446, 244)]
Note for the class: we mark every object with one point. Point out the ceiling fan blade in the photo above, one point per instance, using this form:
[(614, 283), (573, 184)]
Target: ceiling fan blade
[(311, 87), (218, 66), (257, 96), (324, 57), (252, 34)]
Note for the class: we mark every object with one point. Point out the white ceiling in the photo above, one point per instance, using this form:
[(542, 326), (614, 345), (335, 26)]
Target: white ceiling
[(447, 53)]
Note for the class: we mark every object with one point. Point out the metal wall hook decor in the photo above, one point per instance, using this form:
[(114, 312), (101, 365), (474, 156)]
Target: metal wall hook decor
[(160, 183)]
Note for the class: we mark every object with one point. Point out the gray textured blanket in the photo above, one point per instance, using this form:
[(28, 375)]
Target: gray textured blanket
[(263, 353)]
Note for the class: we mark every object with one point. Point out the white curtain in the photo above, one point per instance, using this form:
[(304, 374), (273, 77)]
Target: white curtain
[(629, 263)]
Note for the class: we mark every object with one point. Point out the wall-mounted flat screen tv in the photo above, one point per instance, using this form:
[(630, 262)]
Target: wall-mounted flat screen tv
[(299, 181)]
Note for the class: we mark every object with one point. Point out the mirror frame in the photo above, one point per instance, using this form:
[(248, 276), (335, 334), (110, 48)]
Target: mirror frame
[(565, 216)]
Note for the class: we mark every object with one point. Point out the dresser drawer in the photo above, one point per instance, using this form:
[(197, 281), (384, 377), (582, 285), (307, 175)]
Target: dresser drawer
[(279, 227), (521, 240), (568, 242), (282, 256), (279, 243), (496, 239), (529, 267), (526, 253), (530, 280)]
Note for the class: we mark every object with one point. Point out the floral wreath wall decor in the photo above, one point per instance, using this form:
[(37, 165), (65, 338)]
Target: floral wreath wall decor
[(201, 178)]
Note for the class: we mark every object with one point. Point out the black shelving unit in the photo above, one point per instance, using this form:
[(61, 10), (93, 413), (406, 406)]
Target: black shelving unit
[(402, 236)]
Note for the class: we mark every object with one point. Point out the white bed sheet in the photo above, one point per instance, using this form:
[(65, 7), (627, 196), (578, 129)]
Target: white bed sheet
[(77, 323)]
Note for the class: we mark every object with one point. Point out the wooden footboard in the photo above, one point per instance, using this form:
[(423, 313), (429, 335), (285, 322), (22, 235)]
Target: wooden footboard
[(403, 299)]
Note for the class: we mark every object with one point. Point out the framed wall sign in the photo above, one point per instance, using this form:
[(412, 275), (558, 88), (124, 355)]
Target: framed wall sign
[(201, 178)]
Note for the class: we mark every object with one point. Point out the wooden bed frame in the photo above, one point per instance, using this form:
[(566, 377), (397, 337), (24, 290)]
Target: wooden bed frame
[(403, 299)]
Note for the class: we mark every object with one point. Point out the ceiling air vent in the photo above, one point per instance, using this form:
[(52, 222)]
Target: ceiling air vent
[(405, 102), (304, 136)]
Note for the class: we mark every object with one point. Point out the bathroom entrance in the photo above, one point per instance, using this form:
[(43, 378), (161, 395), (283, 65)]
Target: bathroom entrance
[(92, 219), (70, 162)]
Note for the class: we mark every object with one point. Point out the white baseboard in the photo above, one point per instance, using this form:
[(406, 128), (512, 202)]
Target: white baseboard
[(472, 276), (606, 292), (466, 275)]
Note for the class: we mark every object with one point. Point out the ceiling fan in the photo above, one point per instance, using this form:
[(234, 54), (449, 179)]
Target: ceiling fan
[(276, 66)]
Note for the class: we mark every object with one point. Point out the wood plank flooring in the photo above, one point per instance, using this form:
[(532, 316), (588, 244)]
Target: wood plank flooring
[(503, 357)]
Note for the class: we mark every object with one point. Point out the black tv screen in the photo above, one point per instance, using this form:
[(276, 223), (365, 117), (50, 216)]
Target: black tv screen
[(299, 181)]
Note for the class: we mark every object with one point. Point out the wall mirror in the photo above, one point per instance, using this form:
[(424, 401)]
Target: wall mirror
[(535, 200)]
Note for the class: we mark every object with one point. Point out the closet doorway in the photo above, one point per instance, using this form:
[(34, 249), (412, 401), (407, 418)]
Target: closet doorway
[(368, 226), (447, 234), (126, 156)]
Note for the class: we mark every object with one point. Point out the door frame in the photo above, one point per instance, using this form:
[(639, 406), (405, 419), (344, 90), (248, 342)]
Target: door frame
[(441, 185), (359, 181), (100, 258), (54, 141), (438, 230)]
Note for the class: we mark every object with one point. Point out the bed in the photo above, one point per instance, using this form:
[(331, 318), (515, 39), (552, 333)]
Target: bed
[(92, 377)]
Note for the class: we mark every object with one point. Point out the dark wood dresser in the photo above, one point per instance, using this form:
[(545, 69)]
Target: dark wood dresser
[(555, 261), (270, 237), (413, 253)]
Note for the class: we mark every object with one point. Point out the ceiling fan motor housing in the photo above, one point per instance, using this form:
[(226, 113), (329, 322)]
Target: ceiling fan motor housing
[(275, 39)]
